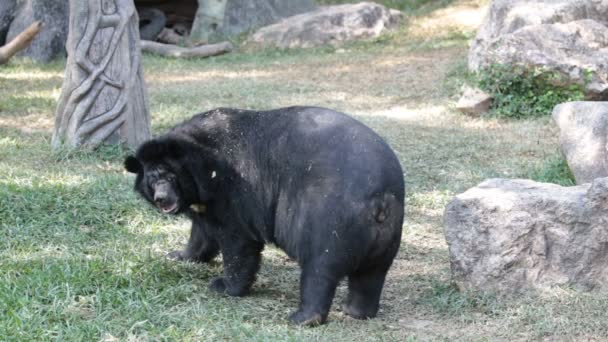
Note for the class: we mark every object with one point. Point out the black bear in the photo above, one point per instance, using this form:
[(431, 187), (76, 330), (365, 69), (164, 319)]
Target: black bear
[(317, 183)]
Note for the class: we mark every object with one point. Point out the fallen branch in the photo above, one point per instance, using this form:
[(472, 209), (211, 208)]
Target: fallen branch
[(20, 42), (184, 52)]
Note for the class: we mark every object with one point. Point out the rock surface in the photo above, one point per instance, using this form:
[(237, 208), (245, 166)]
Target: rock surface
[(329, 25), (50, 42), (474, 102), (7, 9), (583, 137), (506, 236), (566, 36), (244, 15)]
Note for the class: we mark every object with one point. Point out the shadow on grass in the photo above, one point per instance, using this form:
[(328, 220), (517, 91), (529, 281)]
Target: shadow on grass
[(66, 210), (79, 239), (13, 105)]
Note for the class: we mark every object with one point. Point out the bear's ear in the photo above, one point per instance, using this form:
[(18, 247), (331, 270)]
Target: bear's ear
[(132, 164)]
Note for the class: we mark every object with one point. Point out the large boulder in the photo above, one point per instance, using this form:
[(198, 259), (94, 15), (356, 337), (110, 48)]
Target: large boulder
[(329, 25), (244, 15), (219, 18), (506, 236), (7, 13), (566, 36), (583, 137), (50, 42)]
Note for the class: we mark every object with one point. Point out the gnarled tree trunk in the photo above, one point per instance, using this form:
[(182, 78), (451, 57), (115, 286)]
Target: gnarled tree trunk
[(103, 99)]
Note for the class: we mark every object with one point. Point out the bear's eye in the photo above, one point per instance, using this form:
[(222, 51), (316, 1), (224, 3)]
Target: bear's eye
[(152, 178)]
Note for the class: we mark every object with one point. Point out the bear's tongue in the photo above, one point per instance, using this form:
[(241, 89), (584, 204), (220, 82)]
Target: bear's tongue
[(168, 208)]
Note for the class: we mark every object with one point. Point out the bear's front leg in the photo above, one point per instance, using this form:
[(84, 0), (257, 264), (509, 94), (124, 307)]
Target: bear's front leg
[(241, 263), (202, 245)]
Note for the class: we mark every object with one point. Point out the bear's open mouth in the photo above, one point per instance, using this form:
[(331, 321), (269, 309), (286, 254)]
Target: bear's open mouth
[(168, 209)]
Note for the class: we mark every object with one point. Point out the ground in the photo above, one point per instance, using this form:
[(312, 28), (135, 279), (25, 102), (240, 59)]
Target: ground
[(81, 256)]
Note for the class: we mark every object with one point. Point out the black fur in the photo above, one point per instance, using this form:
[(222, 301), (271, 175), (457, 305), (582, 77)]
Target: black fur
[(317, 183)]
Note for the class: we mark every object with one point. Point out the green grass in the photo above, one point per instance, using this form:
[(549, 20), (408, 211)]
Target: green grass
[(82, 257), (554, 170)]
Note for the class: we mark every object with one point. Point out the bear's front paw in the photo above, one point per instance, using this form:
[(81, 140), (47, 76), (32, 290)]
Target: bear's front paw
[(218, 285), (176, 255), (306, 318)]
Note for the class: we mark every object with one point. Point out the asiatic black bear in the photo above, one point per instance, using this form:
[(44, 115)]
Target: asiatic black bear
[(317, 183)]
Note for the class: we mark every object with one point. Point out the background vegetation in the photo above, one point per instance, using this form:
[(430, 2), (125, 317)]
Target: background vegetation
[(519, 93)]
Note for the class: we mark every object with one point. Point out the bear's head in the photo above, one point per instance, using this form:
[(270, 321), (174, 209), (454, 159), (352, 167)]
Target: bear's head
[(170, 176)]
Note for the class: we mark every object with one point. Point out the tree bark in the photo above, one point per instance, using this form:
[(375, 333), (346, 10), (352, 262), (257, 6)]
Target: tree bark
[(20, 42), (103, 99), (168, 50)]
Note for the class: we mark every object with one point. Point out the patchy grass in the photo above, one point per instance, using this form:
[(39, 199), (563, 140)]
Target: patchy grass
[(554, 170), (81, 257)]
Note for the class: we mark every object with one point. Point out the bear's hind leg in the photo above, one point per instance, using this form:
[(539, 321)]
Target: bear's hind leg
[(317, 289), (364, 290)]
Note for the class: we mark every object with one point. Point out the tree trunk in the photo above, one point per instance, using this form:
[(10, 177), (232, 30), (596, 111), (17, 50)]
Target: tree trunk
[(103, 99)]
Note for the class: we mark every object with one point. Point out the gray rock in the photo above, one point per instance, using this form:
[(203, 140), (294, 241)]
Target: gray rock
[(583, 137), (507, 236), (474, 102), (50, 42), (7, 13), (566, 36), (245, 15), (329, 25)]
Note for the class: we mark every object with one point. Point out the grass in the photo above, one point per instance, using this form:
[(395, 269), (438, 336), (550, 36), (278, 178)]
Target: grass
[(555, 170), (81, 257)]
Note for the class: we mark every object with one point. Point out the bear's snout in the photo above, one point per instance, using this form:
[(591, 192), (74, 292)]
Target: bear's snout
[(164, 197)]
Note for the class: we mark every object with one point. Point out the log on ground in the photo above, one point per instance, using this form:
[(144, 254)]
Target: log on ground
[(168, 50), (20, 42)]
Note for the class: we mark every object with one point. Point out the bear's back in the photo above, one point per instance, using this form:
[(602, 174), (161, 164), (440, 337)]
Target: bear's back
[(303, 142)]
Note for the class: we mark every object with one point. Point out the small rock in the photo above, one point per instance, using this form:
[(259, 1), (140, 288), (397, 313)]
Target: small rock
[(474, 102)]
